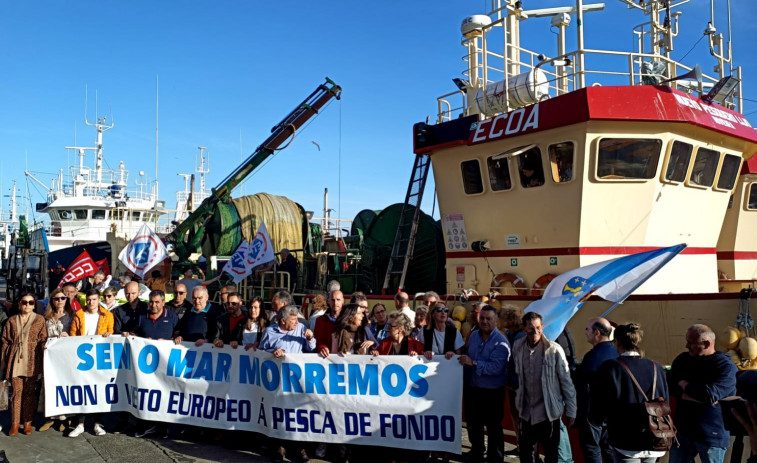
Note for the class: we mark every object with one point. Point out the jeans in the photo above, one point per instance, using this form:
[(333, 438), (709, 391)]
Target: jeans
[(547, 433), (593, 440), (564, 454), (690, 448), (618, 457)]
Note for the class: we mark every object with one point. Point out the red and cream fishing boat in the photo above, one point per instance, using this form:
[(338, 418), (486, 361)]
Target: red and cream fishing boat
[(553, 163)]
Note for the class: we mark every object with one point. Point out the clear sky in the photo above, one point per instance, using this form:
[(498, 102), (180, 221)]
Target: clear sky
[(230, 70)]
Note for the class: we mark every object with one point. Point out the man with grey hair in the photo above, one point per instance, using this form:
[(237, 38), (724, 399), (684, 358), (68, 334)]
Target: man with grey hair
[(288, 336), (700, 379), (331, 286), (430, 298), (199, 324)]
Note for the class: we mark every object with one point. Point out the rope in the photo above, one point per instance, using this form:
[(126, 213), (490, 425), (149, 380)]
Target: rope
[(294, 134)]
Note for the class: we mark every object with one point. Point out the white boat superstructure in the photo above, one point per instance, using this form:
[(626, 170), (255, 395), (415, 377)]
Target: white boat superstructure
[(188, 199), (93, 201)]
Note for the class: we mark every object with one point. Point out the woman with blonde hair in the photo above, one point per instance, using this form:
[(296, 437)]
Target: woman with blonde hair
[(58, 321), (109, 298), (24, 337)]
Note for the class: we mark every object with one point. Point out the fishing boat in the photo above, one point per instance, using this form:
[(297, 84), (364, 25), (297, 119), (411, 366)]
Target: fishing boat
[(548, 163), (92, 202)]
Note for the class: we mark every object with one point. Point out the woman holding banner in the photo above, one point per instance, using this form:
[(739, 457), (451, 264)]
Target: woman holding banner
[(350, 335), (24, 337), (58, 322), (256, 324), (94, 320), (398, 342)]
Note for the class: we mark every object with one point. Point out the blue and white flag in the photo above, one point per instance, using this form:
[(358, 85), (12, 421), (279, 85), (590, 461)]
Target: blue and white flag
[(144, 251), (237, 265), (261, 249), (613, 280)]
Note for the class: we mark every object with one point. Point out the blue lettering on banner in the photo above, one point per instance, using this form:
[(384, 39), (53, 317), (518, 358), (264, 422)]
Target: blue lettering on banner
[(357, 424), (86, 360), (299, 420), (336, 378), (270, 375), (391, 388), (291, 374), (179, 365), (75, 395), (107, 356), (209, 407), (420, 387), (418, 427), (148, 351), (363, 383), (249, 373), (315, 374)]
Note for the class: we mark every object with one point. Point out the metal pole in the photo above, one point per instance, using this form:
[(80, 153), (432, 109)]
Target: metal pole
[(580, 36)]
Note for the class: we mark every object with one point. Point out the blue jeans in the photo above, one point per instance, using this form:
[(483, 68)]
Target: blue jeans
[(690, 448), (564, 454)]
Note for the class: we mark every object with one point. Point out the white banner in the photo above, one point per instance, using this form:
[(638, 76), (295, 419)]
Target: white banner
[(391, 401)]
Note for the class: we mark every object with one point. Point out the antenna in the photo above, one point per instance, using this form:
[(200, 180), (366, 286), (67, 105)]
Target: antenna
[(157, 86)]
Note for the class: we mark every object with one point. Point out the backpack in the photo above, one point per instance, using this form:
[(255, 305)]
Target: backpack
[(660, 432)]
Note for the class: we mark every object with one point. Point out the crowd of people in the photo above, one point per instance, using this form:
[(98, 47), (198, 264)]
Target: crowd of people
[(507, 363)]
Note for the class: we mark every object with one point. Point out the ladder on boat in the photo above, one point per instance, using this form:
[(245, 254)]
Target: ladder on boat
[(404, 239)]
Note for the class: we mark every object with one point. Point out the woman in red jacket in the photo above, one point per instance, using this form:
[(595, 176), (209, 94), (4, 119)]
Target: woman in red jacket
[(398, 342)]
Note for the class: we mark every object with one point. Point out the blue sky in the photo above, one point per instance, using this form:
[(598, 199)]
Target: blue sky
[(230, 70)]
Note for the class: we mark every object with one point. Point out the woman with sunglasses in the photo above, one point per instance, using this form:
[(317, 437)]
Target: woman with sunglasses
[(93, 320), (58, 321), (109, 298), (255, 325), (24, 337), (440, 337)]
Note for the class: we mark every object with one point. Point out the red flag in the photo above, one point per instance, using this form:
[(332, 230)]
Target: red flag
[(82, 266), (103, 265)]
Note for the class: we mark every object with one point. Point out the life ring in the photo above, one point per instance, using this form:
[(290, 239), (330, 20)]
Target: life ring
[(516, 281), (541, 283)]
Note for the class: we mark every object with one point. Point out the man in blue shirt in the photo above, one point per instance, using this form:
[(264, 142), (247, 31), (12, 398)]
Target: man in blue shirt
[(158, 322), (289, 336), (485, 376), (699, 379)]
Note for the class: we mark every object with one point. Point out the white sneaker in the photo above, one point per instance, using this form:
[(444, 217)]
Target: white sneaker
[(77, 431), (99, 431)]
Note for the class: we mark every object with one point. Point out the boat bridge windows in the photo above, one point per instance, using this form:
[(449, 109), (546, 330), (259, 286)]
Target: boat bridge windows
[(530, 168), (678, 161), (561, 160), (705, 167), (98, 214), (729, 172), (628, 158), (752, 204)]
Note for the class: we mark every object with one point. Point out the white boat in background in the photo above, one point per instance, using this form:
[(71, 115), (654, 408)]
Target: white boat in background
[(93, 201), (188, 199)]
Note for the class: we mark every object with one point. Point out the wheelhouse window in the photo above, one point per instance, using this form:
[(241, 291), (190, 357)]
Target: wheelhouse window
[(80, 214), (472, 182), (561, 159), (678, 162), (729, 172), (135, 215), (530, 168), (499, 173), (65, 214), (628, 158), (752, 204), (120, 214), (705, 166), (98, 214)]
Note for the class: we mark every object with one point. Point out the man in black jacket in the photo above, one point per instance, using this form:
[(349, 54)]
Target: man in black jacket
[(699, 379), (230, 325), (126, 316)]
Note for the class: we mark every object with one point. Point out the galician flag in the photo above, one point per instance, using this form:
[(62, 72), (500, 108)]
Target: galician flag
[(237, 265), (143, 252), (613, 280)]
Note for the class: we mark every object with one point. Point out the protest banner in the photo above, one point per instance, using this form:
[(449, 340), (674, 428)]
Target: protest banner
[(391, 401)]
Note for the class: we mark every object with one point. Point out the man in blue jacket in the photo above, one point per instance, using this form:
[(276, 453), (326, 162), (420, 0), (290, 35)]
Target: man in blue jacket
[(699, 379), (485, 378), (592, 428)]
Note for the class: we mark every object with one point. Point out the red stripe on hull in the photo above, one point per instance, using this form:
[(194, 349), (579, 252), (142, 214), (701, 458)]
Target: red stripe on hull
[(573, 251), (737, 255)]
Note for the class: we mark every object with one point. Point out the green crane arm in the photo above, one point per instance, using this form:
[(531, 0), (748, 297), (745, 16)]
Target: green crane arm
[(279, 134)]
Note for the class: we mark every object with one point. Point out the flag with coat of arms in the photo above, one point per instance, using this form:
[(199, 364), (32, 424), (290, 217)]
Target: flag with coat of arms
[(613, 280), (248, 256), (144, 251)]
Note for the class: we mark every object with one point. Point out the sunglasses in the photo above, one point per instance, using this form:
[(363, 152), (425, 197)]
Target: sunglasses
[(60, 298), (109, 295), (26, 302), (442, 309), (181, 292)]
